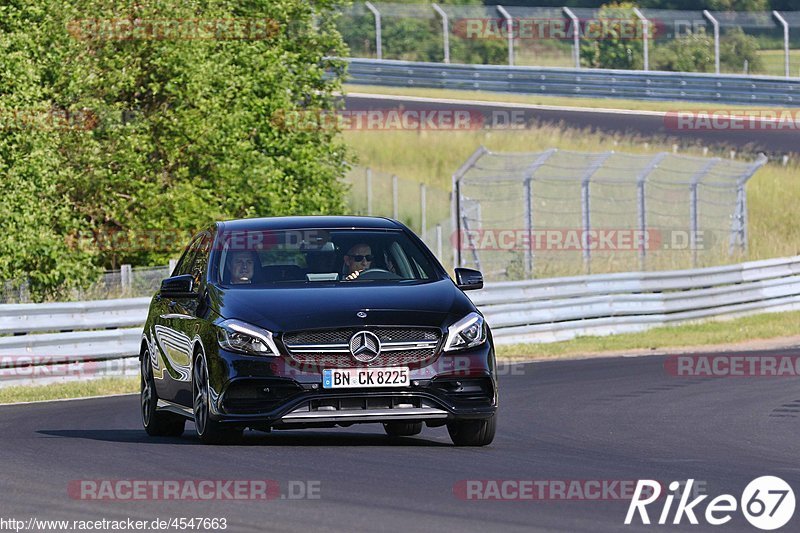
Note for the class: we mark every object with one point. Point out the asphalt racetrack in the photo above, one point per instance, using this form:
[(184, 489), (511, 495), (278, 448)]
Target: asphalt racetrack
[(593, 419), (772, 140)]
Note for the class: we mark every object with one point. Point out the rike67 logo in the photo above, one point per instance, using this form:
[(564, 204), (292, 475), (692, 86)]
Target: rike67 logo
[(767, 503)]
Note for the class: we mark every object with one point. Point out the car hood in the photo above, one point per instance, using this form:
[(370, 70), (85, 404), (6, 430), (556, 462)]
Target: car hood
[(336, 305)]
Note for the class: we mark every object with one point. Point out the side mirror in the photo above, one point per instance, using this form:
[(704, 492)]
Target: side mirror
[(178, 287), (468, 279)]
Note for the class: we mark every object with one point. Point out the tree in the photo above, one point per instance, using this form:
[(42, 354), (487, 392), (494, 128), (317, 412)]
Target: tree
[(615, 46), (183, 130)]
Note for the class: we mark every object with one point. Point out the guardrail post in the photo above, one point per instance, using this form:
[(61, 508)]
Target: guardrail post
[(641, 179), (645, 36), (510, 30), (576, 36), (445, 31), (369, 191), (395, 198), (707, 14), (785, 25), (125, 277), (423, 210), (694, 216), (378, 38)]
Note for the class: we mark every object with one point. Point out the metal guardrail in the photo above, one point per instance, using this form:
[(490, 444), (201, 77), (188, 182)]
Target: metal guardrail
[(551, 310), (633, 84), (544, 310)]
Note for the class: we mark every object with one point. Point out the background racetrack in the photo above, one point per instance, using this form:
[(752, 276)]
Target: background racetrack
[(604, 419)]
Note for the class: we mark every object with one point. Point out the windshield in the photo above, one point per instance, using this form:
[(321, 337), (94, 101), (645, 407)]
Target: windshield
[(257, 258)]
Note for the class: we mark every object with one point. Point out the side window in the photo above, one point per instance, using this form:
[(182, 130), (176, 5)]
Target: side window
[(199, 262), (186, 260)]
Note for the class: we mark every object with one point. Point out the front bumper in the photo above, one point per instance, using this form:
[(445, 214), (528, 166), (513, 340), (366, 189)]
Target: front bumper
[(254, 392)]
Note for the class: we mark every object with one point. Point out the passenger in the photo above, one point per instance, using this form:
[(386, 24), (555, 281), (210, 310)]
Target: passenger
[(357, 259)]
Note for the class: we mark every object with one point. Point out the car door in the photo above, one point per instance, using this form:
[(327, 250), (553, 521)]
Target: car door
[(187, 315), (172, 370)]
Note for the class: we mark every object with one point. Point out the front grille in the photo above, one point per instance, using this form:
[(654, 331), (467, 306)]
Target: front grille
[(400, 346)]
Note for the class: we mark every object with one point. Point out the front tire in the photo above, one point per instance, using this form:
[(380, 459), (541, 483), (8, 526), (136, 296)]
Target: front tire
[(402, 429), (473, 432), (210, 431), (156, 423)]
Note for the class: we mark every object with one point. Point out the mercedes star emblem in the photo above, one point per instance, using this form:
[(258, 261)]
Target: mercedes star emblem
[(365, 346)]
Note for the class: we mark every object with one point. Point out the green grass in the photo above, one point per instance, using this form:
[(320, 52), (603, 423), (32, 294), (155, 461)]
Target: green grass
[(534, 99), (74, 389), (772, 62), (756, 327)]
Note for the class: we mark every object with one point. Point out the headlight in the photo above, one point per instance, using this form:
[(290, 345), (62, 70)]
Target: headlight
[(466, 333), (242, 337)]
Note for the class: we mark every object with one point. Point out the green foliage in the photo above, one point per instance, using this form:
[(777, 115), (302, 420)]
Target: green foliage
[(180, 132), (735, 47), (419, 38), (614, 50), (695, 53)]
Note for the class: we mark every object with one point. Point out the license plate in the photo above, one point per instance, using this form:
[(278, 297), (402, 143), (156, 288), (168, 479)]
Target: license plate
[(344, 378)]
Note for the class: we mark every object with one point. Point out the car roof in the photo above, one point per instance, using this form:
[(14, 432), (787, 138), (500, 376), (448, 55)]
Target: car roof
[(315, 222)]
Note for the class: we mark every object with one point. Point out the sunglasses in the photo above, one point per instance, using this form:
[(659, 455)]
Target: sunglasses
[(359, 258)]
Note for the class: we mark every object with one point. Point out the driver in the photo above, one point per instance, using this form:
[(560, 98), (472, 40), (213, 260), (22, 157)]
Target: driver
[(357, 259), (242, 267)]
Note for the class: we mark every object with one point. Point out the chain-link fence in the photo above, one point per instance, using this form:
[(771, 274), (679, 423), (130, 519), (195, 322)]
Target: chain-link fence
[(127, 282), (753, 42), (423, 208), (526, 215)]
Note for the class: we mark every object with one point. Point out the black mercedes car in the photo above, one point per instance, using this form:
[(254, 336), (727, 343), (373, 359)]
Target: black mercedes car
[(308, 322)]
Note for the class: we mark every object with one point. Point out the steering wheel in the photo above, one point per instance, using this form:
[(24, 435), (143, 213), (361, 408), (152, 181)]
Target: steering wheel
[(378, 273)]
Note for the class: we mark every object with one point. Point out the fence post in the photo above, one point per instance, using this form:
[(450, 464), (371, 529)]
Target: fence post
[(641, 180), (369, 191), (645, 36), (378, 39), (510, 30), (694, 225), (785, 41), (445, 31), (423, 210), (125, 277), (586, 208), (527, 193), (439, 241), (395, 198), (714, 23), (739, 226), (576, 36), (455, 201)]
